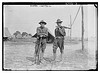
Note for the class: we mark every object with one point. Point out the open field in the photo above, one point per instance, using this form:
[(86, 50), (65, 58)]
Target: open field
[(20, 56)]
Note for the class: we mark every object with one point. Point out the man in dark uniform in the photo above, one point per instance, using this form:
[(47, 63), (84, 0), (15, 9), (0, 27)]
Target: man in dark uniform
[(42, 33), (59, 38)]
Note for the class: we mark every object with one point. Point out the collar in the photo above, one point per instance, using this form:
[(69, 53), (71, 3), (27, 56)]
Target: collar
[(42, 27)]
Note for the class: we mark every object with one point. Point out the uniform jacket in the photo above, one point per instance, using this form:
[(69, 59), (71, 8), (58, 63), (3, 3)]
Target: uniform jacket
[(60, 32), (42, 31)]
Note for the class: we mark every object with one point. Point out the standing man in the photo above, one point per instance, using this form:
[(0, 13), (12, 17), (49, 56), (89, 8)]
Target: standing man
[(59, 39), (42, 33)]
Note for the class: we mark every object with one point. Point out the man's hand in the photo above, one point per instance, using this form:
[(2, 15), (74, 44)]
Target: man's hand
[(41, 35), (58, 27)]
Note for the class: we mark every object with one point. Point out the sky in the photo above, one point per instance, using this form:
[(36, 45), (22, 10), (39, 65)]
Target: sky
[(26, 18)]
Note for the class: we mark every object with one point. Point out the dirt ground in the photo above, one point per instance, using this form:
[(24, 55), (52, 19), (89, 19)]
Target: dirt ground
[(20, 56)]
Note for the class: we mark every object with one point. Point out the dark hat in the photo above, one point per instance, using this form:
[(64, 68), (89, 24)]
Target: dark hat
[(42, 22), (58, 21)]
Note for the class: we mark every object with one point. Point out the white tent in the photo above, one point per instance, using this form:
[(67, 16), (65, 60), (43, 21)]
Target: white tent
[(6, 32)]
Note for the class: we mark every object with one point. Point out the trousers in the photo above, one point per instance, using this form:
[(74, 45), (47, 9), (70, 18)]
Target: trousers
[(40, 44), (58, 42)]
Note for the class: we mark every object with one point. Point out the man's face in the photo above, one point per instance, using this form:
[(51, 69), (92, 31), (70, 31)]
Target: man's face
[(59, 24), (42, 24)]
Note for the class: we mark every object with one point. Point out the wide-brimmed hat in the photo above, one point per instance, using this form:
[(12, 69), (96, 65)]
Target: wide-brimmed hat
[(42, 21), (59, 21)]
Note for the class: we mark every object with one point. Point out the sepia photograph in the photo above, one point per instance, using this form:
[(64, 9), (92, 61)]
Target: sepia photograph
[(44, 36)]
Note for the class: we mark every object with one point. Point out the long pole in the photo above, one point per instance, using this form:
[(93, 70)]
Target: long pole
[(71, 28), (82, 28), (71, 23)]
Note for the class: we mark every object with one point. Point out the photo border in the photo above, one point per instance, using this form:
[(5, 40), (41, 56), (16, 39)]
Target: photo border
[(47, 3)]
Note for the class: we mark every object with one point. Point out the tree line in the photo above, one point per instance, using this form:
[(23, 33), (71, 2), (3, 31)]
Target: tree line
[(18, 34)]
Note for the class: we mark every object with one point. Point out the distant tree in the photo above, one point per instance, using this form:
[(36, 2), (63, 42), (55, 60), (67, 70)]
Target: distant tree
[(16, 33), (24, 33), (30, 34)]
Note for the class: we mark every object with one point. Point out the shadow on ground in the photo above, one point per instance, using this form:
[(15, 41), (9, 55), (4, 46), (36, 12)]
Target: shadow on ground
[(30, 59)]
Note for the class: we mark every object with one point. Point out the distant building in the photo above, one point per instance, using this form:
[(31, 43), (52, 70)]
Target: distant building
[(7, 35), (6, 32)]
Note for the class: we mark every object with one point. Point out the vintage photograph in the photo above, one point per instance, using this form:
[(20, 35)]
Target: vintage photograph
[(50, 36)]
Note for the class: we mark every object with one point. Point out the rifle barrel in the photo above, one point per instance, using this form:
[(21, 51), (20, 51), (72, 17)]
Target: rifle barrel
[(66, 27)]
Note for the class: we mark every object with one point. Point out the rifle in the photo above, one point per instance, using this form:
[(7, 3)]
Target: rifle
[(63, 27), (66, 27)]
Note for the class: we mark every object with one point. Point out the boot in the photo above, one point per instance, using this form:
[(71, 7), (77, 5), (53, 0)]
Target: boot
[(42, 54), (61, 57), (38, 61), (54, 56), (35, 57)]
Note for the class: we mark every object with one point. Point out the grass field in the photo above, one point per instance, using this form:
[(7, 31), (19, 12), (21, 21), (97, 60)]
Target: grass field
[(20, 56)]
